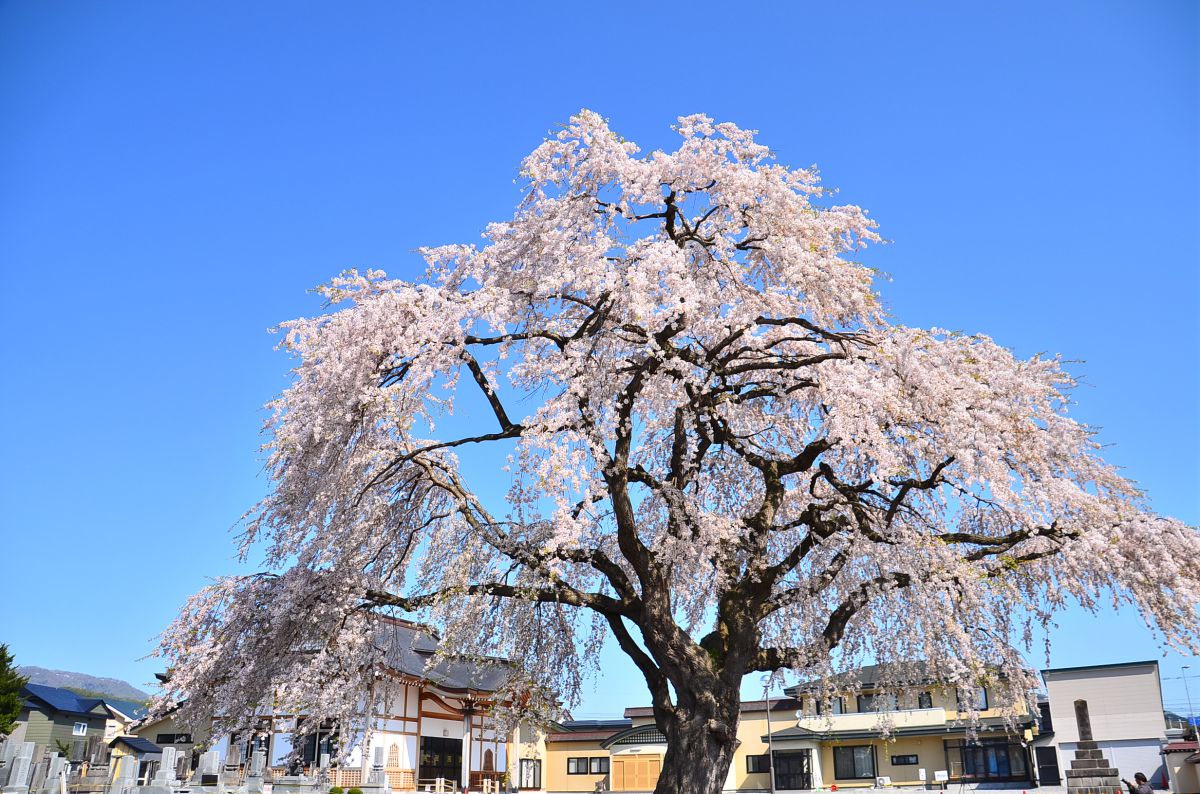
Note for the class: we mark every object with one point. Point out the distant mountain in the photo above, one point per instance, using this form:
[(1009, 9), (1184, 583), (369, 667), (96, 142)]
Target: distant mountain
[(84, 684)]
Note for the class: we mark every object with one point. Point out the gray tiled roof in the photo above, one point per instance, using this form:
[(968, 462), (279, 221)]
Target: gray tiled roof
[(409, 647)]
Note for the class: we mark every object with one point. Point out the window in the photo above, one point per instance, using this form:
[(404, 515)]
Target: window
[(598, 765), (530, 773), (879, 702), (977, 697), (989, 759), (904, 760), (924, 701), (856, 762), (577, 766), (172, 738), (836, 706), (758, 763), (80, 729)]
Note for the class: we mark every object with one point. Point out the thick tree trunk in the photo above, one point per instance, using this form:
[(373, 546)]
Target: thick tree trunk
[(701, 737)]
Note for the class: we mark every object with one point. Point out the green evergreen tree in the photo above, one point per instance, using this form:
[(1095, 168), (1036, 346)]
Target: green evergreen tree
[(10, 691)]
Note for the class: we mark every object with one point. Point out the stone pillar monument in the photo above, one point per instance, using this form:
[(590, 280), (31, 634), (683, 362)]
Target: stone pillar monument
[(1090, 772), (377, 780)]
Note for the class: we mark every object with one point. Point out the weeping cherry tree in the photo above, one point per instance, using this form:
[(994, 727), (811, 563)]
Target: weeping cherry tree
[(685, 425)]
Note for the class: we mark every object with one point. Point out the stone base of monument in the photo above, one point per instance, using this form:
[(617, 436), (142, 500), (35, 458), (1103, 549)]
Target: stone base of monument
[(295, 784), (1091, 773)]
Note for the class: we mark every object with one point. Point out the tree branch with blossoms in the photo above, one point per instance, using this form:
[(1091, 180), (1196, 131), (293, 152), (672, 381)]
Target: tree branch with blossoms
[(726, 458)]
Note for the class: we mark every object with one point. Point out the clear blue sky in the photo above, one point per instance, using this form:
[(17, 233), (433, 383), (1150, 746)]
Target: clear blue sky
[(175, 176)]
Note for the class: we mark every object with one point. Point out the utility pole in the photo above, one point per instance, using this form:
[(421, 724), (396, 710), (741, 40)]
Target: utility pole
[(770, 739), (1191, 714)]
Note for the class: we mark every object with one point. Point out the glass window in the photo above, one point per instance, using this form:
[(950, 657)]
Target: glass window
[(856, 762), (925, 700), (836, 706), (531, 773), (977, 697), (80, 729), (989, 759), (904, 760), (758, 763), (598, 765), (878, 702), (577, 766)]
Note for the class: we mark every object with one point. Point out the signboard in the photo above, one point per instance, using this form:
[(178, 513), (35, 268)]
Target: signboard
[(941, 776), (1195, 721), (921, 774)]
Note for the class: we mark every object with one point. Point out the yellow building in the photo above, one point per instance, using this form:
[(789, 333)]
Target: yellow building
[(863, 736), (927, 734)]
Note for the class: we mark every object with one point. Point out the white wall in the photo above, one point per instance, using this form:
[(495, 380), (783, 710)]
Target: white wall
[(1129, 756), (1123, 703)]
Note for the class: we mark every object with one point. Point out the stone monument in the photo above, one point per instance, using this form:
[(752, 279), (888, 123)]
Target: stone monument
[(8, 751), (254, 775), (19, 768), (53, 784), (126, 780), (164, 781), (208, 771), (377, 779), (1090, 772)]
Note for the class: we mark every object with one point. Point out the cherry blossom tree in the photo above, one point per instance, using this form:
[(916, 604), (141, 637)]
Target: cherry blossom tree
[(704, 440)]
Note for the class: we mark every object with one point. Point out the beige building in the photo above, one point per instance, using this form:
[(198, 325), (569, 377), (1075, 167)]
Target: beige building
[(840, 739), (929, 733), (1126, 710), (1183, 766)]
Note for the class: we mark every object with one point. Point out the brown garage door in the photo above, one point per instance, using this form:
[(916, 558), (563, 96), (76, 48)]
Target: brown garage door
[(635, 773)]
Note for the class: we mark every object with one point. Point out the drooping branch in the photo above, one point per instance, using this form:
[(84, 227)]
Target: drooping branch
[(560, 593)]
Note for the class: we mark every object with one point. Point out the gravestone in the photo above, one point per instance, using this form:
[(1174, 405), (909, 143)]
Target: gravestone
[(19, 769), (208, 772), (377, 776), (8, 751), (1090, 772), (164, 781), (254, 776), (55, 775), (126, 780)]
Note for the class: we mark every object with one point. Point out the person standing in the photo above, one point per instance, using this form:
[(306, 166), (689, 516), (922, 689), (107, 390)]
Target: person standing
[(1139, 785)]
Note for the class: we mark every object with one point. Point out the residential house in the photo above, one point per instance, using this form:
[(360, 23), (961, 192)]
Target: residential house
[(57, 720), (167, 731), (1182, 760), (638, 751), (1126, 710), (839, 738), (569, 757), (122, 715), (845, 747)]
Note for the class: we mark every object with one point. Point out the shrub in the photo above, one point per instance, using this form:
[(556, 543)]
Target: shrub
[(355, 790), (336, 790)]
